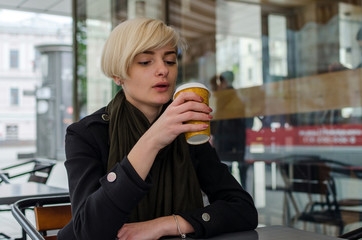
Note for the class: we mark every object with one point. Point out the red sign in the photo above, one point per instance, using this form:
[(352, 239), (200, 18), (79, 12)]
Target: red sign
[(336, 135)]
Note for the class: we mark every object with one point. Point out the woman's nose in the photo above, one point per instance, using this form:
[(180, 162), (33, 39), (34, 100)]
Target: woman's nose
[(162, 69)]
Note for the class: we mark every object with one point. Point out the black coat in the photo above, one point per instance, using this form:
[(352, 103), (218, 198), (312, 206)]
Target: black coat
[(101, 202)]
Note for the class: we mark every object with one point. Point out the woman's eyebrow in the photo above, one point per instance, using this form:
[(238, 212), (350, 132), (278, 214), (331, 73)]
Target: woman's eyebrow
[(148, 52), (170, 52), (166, 53)]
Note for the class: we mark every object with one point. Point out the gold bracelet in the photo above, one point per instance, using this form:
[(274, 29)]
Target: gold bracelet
[(183, 235)]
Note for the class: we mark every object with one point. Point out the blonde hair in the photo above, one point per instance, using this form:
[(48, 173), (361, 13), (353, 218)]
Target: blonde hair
[(132, 37)]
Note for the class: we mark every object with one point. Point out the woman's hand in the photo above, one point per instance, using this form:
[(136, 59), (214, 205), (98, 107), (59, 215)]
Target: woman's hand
[(138, 231), (187, 106), (153, 229)]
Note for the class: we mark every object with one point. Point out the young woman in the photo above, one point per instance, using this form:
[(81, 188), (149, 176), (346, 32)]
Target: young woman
[(131, 173)]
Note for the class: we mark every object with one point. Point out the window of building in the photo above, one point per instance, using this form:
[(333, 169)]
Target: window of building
[(14, 58), (250, 48), (14, 96), (12, 132), (278, 45), (250, 74)]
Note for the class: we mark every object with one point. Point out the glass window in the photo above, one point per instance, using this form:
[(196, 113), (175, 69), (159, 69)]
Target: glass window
[(14, 96), (11, 132), (237, 48), (294, 87), (14, 59), (250, 74), (93, 25), (278, 45)]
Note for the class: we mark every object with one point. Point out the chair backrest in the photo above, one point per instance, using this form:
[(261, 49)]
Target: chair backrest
[(41, 172), (51, 218), (51, 213), (352, 235), (4, 178), (311, 178)]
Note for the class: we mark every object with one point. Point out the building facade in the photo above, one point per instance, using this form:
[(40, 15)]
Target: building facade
[(21, 72)]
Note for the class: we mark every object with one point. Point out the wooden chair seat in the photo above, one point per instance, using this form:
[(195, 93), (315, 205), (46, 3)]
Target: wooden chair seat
[(51, 218)]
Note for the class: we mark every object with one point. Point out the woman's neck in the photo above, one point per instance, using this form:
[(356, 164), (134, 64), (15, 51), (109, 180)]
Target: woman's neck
[(151, 113)]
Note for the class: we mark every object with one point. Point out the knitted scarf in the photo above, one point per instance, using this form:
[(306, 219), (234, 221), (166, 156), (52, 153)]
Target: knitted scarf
[(175, 187)]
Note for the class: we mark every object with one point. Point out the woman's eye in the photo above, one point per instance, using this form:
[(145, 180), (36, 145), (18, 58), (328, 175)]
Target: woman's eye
[(144, 63), (170, 62)]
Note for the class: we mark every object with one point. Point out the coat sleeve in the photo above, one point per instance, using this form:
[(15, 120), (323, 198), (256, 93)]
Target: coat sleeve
[(100, 202), (231, 207)]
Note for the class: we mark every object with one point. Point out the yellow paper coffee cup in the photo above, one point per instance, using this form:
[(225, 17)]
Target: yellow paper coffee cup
[(203, 136)]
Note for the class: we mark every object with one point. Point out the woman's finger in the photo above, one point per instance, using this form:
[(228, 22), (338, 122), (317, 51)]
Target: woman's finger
[(193, 106), (186, 96), (194, 116), (194, 127)]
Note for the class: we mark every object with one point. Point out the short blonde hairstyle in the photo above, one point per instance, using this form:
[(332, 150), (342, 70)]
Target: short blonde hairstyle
[(132, 37)]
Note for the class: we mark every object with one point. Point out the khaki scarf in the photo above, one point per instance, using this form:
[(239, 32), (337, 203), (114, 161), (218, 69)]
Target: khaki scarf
[(175, 187)]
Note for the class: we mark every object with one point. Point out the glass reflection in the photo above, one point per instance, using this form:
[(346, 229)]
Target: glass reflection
[(296, 92)]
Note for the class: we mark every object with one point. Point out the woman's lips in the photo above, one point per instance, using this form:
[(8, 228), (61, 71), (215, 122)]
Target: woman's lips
[(161, 87)]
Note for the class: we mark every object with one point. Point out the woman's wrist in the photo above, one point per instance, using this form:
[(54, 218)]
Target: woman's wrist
[(185, 226), (142, 156), (153, 139), (168, 226), (181, 233)]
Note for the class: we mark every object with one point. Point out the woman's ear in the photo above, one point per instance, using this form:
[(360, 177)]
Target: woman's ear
[(117, 80)]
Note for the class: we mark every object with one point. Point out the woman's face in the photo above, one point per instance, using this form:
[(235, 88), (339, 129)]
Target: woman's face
[(152, 78)]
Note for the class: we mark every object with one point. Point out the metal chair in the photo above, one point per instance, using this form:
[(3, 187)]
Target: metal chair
[(352, 235), (39, 173), (4, 177), (315, 181), (51, 213), (313, 175)]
